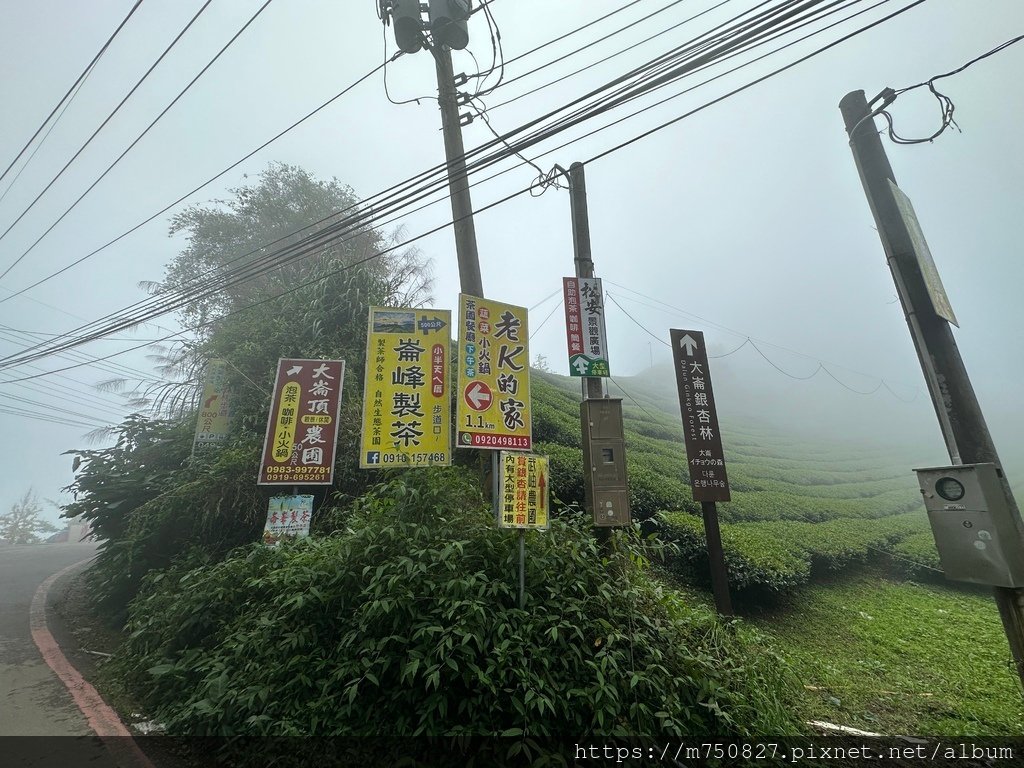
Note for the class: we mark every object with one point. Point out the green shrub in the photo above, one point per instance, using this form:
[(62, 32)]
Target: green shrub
[(916, 556), (407, 625), (779, 555)]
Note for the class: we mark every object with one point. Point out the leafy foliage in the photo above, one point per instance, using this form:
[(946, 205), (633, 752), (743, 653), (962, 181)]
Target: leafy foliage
[(144, 496), (407, 624), (778, 556)]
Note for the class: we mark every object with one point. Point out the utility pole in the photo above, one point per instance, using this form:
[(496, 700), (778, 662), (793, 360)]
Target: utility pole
[(458, 184), (593, 387), (606, 489), (967, 438), (448, 29)]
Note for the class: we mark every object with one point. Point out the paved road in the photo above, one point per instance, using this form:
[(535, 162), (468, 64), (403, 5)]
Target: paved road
[(33, 701)]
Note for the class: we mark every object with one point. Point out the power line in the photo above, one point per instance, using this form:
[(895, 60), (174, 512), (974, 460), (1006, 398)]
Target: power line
[(440, 167), (74, 86), (312, 242), (666, 306), (206, 183), (170, 307), (138, 138), (102, 126), (821, 366)]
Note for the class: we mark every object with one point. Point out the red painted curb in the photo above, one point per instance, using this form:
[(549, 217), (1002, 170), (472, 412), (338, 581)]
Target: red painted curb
[(101, 718)]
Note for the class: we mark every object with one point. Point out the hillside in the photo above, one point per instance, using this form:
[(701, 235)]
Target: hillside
[(799, 506)]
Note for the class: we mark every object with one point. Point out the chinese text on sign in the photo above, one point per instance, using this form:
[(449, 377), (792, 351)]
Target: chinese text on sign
[(302, 429), (522, 487), (494, 376), (704, 453), (406, 403)]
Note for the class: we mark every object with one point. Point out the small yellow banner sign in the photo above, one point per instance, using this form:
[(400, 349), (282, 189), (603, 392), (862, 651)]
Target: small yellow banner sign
[(407, 411), (214, 422), (522, 490)]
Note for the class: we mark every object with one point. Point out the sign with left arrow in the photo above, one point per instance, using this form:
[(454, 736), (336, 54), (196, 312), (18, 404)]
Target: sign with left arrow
[(302, 428), (493, 405), (407, 412)]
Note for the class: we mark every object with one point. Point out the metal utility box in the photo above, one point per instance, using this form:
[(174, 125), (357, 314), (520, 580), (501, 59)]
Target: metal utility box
[(604, 462), (975, 532)]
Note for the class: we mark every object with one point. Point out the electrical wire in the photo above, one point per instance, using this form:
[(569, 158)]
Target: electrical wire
[(821, 366), (441, 167), (665, 306), (74, 86), (205, 184), (109, 117), (946, 105), (138, 138), (618, 53), (709, 103)]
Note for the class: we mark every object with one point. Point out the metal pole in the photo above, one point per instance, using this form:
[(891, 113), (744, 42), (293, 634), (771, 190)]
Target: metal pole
[(458, 184), (956, 405), (716, 559), (522, 567)]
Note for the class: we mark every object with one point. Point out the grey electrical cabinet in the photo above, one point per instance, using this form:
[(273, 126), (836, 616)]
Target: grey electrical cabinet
[(976, 533), (604, 462)]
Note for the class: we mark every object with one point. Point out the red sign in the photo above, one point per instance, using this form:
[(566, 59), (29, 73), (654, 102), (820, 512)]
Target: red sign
[(573, 322), (302, 429)]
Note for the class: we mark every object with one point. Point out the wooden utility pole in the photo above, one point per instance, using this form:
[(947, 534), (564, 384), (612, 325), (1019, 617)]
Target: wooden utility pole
[(593, 386), (967, 438), (458, 183)]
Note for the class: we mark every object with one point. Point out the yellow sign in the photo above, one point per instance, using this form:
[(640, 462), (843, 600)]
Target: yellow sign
[(407, 412), (493, 393), (214, 420), (522, 490)]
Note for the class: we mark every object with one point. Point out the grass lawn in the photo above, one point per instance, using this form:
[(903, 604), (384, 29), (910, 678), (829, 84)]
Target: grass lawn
[(898, 657)]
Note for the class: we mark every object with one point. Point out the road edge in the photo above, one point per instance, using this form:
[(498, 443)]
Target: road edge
[(101, 718)]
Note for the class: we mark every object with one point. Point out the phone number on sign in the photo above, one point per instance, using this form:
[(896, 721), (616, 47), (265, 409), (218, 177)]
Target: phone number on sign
[(415, 458), (499, 441)]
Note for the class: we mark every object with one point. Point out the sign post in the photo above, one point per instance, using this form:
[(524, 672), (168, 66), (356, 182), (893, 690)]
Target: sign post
[(302, 427), (406, 403), (704, 453), (521, 499)]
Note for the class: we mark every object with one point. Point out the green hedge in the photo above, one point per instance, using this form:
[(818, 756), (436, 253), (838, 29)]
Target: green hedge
[(407, 625), (778, 556)]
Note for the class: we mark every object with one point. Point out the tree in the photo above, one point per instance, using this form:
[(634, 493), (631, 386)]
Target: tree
[(24, 524), (340, 279), (145, 497)]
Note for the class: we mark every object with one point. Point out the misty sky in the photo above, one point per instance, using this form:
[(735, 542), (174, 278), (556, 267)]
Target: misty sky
[(745, 219)]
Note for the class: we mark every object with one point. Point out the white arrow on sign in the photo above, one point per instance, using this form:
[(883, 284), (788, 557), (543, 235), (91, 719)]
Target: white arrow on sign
[(689, 344), (478, 395), (581, 364), (294, 370)]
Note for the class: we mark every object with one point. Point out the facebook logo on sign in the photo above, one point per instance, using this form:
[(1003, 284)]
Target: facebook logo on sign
[(373, 457)]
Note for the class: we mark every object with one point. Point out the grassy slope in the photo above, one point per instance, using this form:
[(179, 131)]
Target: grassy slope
[(900, 657), (883, 655)]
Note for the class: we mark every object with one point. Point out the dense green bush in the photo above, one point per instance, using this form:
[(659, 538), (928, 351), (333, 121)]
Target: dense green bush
[(779, 555), (407, 624), (917, 557)]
